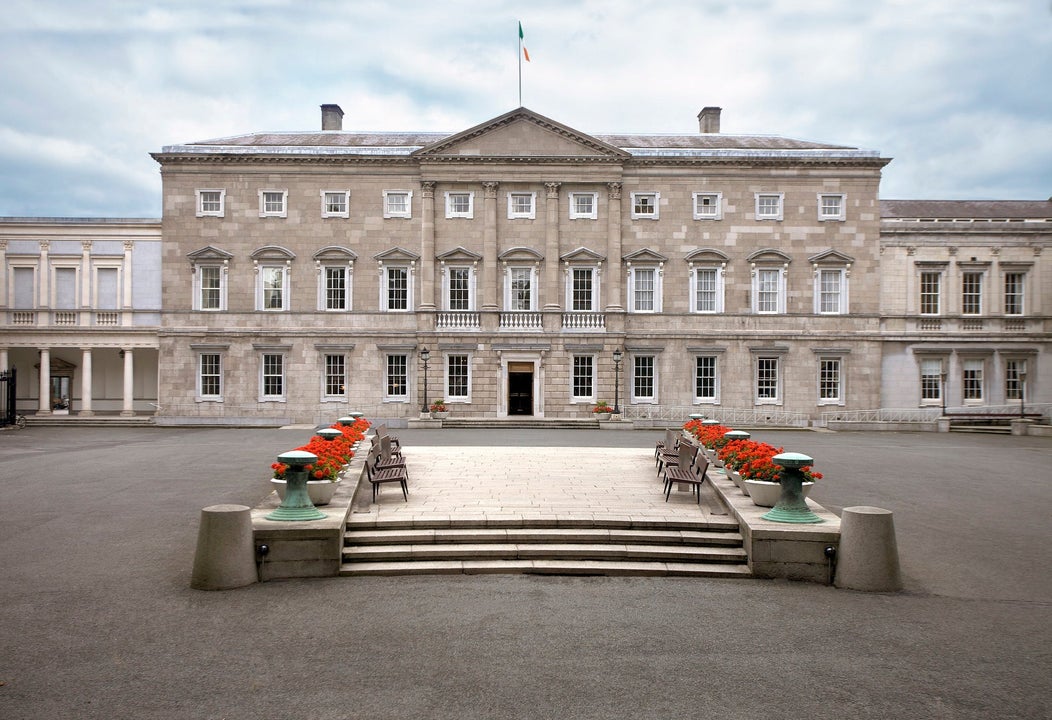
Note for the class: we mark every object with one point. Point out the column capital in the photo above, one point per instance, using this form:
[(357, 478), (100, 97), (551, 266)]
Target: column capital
[(85, 245), (490, 186), (615, 190), (553, 189), (427, 188)]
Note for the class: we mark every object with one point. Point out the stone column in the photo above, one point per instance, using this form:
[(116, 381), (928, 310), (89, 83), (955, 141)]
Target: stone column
[(128, 409), (85, 275), (427, 246), (85, 383), (126, 301), (489, 248), (44, 406), (551, 247), (3, 274), (4, 367), (44, 297), (613, 247)]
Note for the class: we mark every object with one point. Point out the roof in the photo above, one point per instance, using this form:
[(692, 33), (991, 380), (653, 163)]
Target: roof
[(966, 209)]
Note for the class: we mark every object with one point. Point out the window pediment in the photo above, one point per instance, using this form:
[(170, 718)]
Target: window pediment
[(831, 257), (769, 255), (272, 252), (707, 255), (335, 253), (583, 255), (209, 253), (459, 255), (644, 256), (520, 254), (396, 255)]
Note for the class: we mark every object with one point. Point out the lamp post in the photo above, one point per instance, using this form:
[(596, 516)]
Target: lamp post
[(425, 355), (618, 355), (942, 390), (1021, 375)]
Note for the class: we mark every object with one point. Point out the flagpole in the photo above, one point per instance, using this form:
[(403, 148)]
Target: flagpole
[(520, 64)]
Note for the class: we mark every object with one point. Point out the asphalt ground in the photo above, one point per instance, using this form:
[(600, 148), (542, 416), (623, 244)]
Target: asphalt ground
[(97, 620)]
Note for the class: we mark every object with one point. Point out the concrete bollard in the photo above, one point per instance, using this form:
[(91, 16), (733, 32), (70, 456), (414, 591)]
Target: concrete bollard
[(225, 557), (868, 558)]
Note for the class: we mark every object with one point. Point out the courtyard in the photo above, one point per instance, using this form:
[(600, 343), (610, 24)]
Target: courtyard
[(98, 526)]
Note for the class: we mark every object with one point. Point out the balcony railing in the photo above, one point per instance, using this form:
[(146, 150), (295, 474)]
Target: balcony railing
[(733, 417), (457, 320), (584, 321), (521, 321), (23, 317), (65, 317)]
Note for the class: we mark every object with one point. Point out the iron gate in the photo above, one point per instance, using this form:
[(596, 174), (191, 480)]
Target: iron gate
[(7, 397)]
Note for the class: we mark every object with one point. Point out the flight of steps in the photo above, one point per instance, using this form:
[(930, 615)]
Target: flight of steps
[(696, 549), (521, 422)]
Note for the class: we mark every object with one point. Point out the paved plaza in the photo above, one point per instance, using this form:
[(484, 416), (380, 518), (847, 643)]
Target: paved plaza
[(97, 535)]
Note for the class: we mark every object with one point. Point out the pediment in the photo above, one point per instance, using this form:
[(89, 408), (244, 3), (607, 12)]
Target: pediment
[(458, 254), (520, 254), (582, 255), (707, 255), (646, 255), (208, 253), (396, 254), (520, 133), (769, 255), (831, 257), (335, 253), (272, 252)]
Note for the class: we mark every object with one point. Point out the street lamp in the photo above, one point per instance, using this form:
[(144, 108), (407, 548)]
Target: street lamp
[(425, 355), (618, 355), (1021, 375)]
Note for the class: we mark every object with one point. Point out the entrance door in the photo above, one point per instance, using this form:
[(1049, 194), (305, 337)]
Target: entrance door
[(60, 393), (520, 389)]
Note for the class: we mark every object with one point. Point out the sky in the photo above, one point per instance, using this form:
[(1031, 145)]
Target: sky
[(957, 92)]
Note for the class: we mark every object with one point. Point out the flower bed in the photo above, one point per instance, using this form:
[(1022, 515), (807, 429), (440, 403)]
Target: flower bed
[(332, 454), (751, 459)]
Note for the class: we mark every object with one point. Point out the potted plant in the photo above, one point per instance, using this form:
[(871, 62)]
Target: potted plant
[(602, 410), (438, 409), (323, 476), (763, 480)]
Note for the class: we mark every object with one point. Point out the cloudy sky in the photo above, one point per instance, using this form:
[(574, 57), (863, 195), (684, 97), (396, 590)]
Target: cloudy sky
[(957, 92)]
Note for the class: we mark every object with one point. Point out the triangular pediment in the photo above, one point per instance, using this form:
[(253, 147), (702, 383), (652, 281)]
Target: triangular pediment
[(521, 133), (583, 255), (458, 254), (396, 255), (646, 255), (831, 257), (208, 253)]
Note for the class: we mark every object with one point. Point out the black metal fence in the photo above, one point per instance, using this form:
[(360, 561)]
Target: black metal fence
[(7, 397)]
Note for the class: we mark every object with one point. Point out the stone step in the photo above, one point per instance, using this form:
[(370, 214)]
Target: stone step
[(419, 536), (367, 521), (544, 551), (549, 567), (525, 422), (984, 429)]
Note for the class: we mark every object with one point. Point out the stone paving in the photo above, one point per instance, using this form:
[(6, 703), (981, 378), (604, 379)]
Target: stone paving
[(532, 483)]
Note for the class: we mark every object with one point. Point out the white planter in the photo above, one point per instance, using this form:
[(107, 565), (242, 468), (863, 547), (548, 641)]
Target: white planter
[(766, 494), (602, 416), (436, 415), (319, 491)]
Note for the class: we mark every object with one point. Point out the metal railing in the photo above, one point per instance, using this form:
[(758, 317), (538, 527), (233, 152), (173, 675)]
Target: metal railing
[(926, 414), (734, 417)]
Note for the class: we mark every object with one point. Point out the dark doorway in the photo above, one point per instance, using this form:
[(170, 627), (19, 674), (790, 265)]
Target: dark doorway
[(520, 389)]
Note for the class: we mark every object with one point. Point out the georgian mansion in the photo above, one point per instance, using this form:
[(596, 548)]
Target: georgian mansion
[(296, 276)]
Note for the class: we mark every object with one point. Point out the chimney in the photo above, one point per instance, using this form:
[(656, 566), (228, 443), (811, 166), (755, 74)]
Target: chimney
[(332, 117), (709, 120)]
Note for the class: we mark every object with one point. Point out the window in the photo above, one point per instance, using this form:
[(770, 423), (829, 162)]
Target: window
[(830, 381), (398, 204), (707, 296), (930, 292), (272, 203), (335, 376), (708, 206), (768, 291), (210, 203), (272, 381), (582, 289), (397, 296), (769, 206), (768, 387), (643, 379), (1014, 293), (337, 284), (64, 288), (460, 204), (972, 381), (396, 384), (272, 289), (335, 203), (831, 207), (458, 288), (458, 377), (210, 287), (972, 293), (584, 206), (583, 389), (645, 206), (830, 292), (644, 290), (210, 376), (931, 381), (705, 379), (1015, 384), (522, 205), (24, 286), (520, 289)]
